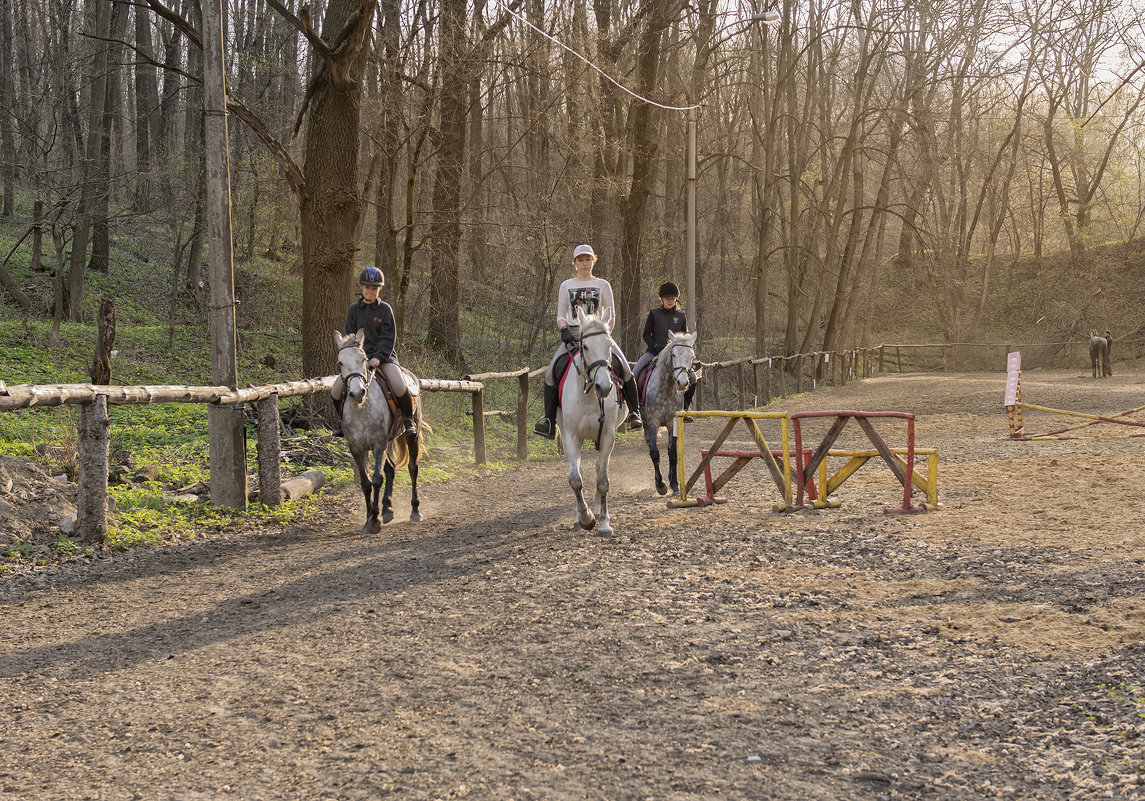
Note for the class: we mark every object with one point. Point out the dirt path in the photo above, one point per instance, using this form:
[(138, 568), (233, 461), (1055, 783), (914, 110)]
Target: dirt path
[(992, 649)]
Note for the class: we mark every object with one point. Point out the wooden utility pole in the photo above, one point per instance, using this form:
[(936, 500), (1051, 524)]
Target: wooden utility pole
[(224, 425)]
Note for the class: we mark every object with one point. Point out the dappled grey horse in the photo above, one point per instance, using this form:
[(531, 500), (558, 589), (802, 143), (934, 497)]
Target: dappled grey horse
[(668, 380), (369, 425), (590, 409), (1099, 355)]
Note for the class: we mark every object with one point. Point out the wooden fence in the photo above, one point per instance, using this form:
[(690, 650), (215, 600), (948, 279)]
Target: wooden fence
[(93, 427), (767, 378)]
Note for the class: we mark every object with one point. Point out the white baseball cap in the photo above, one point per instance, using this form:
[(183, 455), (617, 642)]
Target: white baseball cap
[(582, 250)]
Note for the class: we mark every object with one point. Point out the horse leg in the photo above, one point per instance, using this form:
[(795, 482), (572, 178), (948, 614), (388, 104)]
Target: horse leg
[(673, 474), (414, 513), (373, 526), (602, 460), (650, 431), (367, 492), (387, 496), (584, 516)]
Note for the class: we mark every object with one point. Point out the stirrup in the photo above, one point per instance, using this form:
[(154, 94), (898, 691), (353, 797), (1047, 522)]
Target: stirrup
[(545, 428), (409, 427), (634, 421)]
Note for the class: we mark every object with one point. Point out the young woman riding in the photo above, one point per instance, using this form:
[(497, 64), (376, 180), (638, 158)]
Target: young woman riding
[(592, 294), (374, 316), (663, 320)]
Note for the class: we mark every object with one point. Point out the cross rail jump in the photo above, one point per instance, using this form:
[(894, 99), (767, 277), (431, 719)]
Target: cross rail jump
[(1014, 407), (778, 461), (901, 468)]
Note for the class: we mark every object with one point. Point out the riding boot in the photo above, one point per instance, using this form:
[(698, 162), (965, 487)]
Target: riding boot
[(632, 398), (546, 427), (688, 393), (405, 406), (337, 432)]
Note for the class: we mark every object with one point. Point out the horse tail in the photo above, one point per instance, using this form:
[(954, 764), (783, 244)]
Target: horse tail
[(397, 451)]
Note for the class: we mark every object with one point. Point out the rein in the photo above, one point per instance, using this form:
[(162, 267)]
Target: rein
[(588, 374)]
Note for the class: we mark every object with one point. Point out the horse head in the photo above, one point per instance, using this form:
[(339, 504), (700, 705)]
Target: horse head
[(595, 352), (681, 354), (353, 364)]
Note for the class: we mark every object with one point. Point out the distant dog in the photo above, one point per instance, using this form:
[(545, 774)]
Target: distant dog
[(1099, 355)]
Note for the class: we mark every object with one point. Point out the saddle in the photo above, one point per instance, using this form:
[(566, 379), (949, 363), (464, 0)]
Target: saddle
[(642, 379), (412, 387), (563, 367)]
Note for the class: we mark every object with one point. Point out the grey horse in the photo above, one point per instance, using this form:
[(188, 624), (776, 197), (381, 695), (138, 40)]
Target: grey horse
[(1099, 355), (591, 409), (368, 425), (668, 379)]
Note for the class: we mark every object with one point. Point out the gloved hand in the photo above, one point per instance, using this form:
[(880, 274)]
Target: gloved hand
[(567, 336)]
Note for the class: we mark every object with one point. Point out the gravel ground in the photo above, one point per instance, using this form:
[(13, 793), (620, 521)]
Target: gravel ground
[(994, 648)]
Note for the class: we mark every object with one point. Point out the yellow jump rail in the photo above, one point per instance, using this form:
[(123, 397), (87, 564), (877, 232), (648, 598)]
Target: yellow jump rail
[(858, 458)]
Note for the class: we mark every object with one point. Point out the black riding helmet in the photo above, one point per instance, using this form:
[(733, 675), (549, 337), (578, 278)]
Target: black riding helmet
[(371, 276), (669, 290)]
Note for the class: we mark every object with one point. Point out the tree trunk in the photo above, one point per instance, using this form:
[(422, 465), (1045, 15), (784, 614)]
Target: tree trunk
[(146, 108), (80, 239), (7, 95), (444, 323), (101, 234), (643, 145), (331, 205)]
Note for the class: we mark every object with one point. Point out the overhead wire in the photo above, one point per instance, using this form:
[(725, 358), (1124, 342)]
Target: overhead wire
[(586, 60)]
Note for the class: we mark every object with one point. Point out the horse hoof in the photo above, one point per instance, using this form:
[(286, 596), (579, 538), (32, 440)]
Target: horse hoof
[(372, 526), (387, 515), (661, 488), (589, 525), (604, 532), (415, 516)]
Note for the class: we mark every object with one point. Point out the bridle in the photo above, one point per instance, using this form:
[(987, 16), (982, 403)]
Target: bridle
[(677, 369), (588, 373), (355, 374)]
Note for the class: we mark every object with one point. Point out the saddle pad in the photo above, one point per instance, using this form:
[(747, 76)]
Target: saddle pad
[(562, 369)]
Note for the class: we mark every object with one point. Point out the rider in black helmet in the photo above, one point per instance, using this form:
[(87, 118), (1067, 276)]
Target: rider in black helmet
[(663, 320), (374, 316)]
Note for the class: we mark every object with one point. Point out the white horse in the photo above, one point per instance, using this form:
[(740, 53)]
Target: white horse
[(591, 409), (669, 377), (369, 425)]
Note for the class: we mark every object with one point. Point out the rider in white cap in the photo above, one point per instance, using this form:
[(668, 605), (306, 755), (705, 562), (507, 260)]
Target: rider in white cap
[(591, 294)]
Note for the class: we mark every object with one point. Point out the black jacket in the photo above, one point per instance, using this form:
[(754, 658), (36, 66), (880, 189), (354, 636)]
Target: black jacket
[(660, 323), (377, 320)]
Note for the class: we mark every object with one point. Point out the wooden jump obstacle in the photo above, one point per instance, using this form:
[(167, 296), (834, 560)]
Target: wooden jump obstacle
[(779, 468), (1014, 407), (902, 468), (797, 485)]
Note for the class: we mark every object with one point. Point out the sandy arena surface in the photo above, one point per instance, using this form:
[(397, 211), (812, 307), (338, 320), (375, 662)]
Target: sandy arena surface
[(994, 648)]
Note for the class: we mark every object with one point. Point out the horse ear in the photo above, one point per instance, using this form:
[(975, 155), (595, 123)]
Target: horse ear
[(360, 336), (337, 340), (605, 315), (692, 337), (580, 315)]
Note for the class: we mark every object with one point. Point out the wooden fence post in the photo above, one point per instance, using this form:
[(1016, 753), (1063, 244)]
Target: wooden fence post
[(94, 435), (479, 426), (716, 386), (742, 385), (523, 414), (882, 351), (798, 373), (269, 449)]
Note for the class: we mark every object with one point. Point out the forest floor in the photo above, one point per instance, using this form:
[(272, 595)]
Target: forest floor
[(994, 648)]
